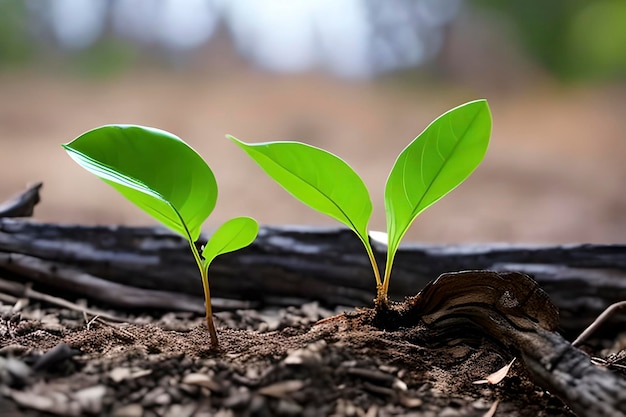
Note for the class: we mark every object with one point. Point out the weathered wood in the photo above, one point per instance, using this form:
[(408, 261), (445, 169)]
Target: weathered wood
[(21, 205), (290, 264), (512, 310)]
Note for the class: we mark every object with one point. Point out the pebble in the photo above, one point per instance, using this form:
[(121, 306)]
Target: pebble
[(287, 407), (90, 399), (220, 413), (410, 402), (175, 394), (130, 410), (120, 374), (157, 396), (371, 412), (309, 355), (311, 311), (201, 380), (257, 404), (13, 372), (282, 389), (237, 398), (449, 412), (180, 410), (137, 395), (481, 404)]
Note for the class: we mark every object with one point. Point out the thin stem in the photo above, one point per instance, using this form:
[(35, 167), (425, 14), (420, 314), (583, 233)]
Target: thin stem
[(204, 273), (606, 314), (384, 291), (370, 254), (381, 296), (388, 265)]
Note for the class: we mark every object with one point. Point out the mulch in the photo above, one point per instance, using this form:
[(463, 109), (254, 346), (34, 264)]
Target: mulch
[(296, 361)]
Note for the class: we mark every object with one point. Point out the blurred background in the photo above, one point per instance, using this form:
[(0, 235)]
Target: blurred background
[(360, 78)]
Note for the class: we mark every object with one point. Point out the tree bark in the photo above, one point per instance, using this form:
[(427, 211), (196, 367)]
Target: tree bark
[(287, 265)]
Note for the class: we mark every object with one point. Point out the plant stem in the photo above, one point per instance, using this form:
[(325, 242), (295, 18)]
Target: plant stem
[(209, 310), (381, 293), (204, 273), (384, 290), (370, 254)]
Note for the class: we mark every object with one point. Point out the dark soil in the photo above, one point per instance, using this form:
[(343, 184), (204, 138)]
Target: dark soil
[(272, 362)]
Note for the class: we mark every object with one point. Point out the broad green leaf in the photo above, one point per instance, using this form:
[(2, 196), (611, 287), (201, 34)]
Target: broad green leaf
[(235, 234), (317, 178), (152, 168), (435, 163)]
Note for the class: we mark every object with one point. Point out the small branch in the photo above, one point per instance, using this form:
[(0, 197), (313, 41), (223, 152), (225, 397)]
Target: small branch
[(70, 279), (593, 327), (21, 205), (8, 299), (25, 291)]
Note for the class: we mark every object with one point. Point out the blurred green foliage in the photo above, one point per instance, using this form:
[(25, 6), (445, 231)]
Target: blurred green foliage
[(106, 58), (573, 39), (16, 45), (25, 43), (597, 40)]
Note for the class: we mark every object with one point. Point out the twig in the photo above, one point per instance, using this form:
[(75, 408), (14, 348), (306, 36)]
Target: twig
[(21, 290), (593, 327), (88, 323), (6, 298)]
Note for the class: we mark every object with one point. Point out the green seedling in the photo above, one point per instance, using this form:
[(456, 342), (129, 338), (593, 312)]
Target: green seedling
[(166, 178), (432, 165)]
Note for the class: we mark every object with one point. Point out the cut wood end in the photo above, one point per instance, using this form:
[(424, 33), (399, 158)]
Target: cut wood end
[(513, 295)]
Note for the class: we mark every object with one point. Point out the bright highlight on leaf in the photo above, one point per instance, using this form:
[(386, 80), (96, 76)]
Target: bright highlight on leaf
[(431, 166), (167, 179)]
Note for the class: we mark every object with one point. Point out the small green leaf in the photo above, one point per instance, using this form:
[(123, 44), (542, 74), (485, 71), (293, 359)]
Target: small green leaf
[(435, 163), (317, 178), (235, 234), (152, 168)]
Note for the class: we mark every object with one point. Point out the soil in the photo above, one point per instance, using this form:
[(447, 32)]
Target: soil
[(298, 361)]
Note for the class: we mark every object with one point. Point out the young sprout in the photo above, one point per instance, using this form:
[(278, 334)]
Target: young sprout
[(166, 178), (433, 164)]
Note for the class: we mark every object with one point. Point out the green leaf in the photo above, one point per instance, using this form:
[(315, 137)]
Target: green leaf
[(435, 163), (152, 168), (235, 234), (317, 178)]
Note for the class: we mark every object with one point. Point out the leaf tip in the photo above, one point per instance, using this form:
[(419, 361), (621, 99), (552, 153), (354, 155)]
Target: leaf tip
[(234, 139)]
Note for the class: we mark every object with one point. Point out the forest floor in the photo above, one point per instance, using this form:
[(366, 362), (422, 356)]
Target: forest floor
[(273, 362)]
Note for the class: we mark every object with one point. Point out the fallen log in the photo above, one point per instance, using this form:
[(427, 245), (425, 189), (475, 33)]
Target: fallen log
[(287, 265), (151, 268)]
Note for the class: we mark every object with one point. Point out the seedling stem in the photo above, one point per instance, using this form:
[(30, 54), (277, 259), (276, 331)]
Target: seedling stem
[(382, 294), (204, 273), (370, 254)]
